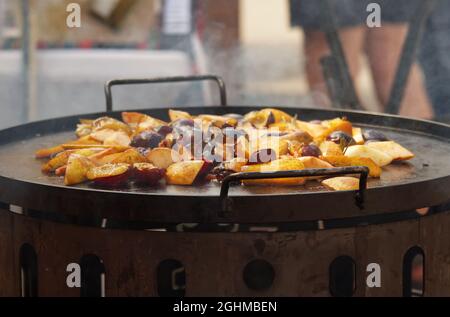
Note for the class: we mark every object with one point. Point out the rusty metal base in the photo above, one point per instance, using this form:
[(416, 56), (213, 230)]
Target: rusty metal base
[(214, 262)]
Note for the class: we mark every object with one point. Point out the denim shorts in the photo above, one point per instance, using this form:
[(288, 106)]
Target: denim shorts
[(348, 13)]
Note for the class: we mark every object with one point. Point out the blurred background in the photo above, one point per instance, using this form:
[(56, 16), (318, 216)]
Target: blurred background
[(267, 51)]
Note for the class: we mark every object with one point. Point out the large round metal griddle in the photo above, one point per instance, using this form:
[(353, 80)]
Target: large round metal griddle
[(423, 181)]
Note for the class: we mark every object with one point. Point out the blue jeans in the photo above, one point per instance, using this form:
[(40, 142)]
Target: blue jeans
[(435, 59)]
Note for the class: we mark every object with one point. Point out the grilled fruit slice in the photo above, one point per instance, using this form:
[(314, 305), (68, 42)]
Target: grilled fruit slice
[(329, 148), (183, 173), (109, 175), (285, 164), (341, 183), (163, 157), (379, 157), (393, 149), (77, 169), (148, 174), (343, 161)]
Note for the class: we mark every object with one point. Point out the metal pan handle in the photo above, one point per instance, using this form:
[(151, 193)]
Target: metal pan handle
[(119, 82), (359, 197)]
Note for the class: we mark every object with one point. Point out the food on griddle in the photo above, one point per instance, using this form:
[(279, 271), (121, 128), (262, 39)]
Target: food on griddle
[(147, 174), (193, 149), (341, 183), (395, 150), (109, 175), (380, 158), (184, 173)]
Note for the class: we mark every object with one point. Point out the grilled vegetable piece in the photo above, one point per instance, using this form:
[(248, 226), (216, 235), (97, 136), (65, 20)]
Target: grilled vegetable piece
[(218, 121), (393, 149), (141, 122), (163, 157), (61, 159), (314, 162), (343, 161), (380, 158), (84, 128), (109, 175), (183, 173), (148, 174), (299, 136), (329, 148), (130, 156), (357, 134), (337, 124), (107, 123), (341, 183), (175, 115), (45, 153), (285, 164), (267, 117), (77, 169), (317, 131)]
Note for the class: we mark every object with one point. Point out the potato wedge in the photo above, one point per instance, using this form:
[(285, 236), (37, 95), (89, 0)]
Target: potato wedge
[(314, 162), (315, 130), (77, 168), (329, 148), (380, 158), (175, 115), (183, 173), (109, 175), (130, 156), (163, 157), (285, 164), (393, 149), (218, 121), (62, 158), (341, 183), (358, 135), (343, 161)]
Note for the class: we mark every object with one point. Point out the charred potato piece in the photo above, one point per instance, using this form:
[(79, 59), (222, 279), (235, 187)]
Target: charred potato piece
[(183, 173), (148, 174), (341, 183), (286, 164), (393, 149), (109, 175), (130, 156)]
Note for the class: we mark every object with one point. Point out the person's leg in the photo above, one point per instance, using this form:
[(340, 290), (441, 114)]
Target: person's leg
[(316, 47), (384, 47)]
